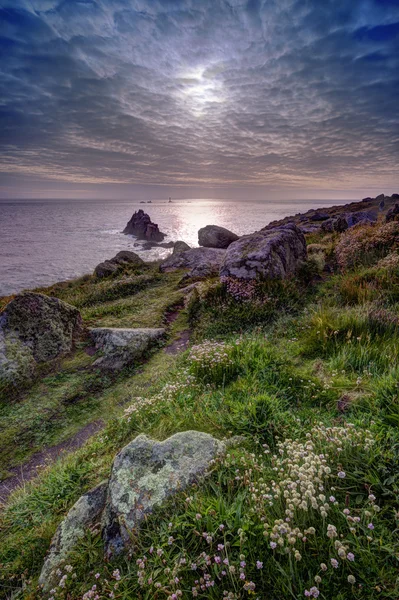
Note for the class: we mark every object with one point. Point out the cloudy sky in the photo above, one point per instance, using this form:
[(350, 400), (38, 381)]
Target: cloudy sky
[(225, 98)]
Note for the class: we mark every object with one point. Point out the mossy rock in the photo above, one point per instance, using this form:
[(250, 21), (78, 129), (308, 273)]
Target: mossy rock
[(34, 329)]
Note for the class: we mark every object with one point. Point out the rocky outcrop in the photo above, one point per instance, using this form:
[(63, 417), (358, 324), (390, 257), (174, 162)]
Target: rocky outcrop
[(85, 513), (141, 226), (213, 236), (347, 220), (34, 329), (392, 214), (267, 254), (112, 266), (121, 347), (146, 473), (180, 246), (201, 262)]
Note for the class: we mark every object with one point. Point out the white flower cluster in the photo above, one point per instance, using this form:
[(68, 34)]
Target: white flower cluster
[(210, 353)]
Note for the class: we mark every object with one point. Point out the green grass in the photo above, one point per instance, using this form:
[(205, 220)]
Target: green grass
[(292, 353)]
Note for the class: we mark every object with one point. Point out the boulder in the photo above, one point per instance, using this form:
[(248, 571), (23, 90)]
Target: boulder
[(213, 236), (345, 221), (121, 347), (180, 246), (146, 473), (319, 216), (268, 254), (126, 257), (201, 262), (141, 226), (392, 213), (34, 329), (106, 269), (85, 513)]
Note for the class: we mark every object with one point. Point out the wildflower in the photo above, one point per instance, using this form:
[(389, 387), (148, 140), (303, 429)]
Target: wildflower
[(350, 556), (371, 497), (221, 527), (334, 563), (273, 545), (370, 526), (317, 579), (198, 516), (341, 474), (332, 499), (97, 575), (259, 564), (351, 579), (323, 566)]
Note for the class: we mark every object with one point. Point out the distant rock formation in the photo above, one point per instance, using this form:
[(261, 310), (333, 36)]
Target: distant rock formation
[(213, 236), (269, 254), (143, 228)]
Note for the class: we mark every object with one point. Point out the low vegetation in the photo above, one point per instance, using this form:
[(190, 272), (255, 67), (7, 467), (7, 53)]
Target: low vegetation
[(306, 372)]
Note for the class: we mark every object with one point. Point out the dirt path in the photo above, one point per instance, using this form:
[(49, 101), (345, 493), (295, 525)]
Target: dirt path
[(24, 473)]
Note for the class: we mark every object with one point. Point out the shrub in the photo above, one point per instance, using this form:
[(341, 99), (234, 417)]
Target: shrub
[(366, 244)]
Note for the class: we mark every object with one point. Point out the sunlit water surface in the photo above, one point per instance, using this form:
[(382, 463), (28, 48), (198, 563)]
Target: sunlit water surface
[(42, 242)]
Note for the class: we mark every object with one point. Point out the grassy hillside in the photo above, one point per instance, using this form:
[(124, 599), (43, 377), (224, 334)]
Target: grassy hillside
[(306, 372)]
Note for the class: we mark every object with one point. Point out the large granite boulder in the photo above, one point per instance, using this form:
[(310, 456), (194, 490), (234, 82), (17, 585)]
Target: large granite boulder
[(34, 329), (201, 262), (112, 266), (121, 347), (146, 473), (268, 254), (345, 221), (213, 236), (141, 226), (85, 513)]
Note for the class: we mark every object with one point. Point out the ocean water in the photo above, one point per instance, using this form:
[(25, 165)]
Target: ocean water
[(42, 242)]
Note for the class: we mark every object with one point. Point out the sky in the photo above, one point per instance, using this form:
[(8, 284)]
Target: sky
[(240, 99)]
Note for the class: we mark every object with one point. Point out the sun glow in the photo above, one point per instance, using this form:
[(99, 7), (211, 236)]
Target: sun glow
[(200, 89)]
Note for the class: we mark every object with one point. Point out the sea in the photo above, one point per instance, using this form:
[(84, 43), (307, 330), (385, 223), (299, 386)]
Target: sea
[(45, 241)]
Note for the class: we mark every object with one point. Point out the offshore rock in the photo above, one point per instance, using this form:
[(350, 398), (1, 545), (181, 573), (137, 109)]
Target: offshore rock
[(201, 262), (213, 236), (34, 329), (85, 513), (121, 347), (268, 254), (143, 228), (146, 473)]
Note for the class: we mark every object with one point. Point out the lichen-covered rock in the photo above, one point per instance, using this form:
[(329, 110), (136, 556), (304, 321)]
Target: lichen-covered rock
[(121, 347), (268, 254), (201, 262), (213, 236), (34, 329), (146, 473), (85, 513), (180, 246)]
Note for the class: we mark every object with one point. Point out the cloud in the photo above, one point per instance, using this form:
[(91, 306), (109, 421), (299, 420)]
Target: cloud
[(186, 92)]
